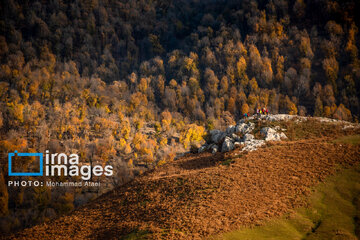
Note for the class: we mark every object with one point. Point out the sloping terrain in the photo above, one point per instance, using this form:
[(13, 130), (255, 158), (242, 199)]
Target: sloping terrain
[(333, 212), (201, 195)]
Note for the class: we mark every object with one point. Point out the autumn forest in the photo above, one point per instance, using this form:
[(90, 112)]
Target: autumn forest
[(133, 83)]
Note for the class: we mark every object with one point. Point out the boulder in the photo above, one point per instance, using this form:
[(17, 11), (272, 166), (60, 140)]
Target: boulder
[(203, 148), (214, 148), (250, 127), (244, 128), (246, 119), (271, 134), (279, 117), (217, 136), (214, 131), (241, 121), (229, 139), (239, 127), (230, 130), (267, 130), (283, 136), (236, 138), (238, 144), (273, 137), (248, 137), (253, 145), (227, 145)]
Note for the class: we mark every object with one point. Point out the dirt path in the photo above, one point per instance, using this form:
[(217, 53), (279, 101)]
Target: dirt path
[(196, 196)]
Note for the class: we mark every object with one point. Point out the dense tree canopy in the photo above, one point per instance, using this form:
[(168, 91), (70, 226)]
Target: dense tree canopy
[(131, 82)]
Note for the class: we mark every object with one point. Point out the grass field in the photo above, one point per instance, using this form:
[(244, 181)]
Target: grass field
[(352, 139), (333, 213), (307, 187)]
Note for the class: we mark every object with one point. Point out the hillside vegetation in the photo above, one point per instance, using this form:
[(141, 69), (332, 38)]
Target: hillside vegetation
[(333, 213), (134, 83), (202, 195)]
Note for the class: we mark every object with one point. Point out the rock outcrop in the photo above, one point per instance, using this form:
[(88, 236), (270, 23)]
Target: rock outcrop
[(248, 137), (227, 145), (217, 136), (242, 135), (253, 145), (214, 148), (272, 135), (244, 128)]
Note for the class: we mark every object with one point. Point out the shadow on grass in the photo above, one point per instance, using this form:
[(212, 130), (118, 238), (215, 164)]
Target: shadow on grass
[(118, 233), (202, 161)]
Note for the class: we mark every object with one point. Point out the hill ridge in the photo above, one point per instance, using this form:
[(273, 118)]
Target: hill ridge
[(203, 194)]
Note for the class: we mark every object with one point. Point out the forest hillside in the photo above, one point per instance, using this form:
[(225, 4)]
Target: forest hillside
[(134, 84), (202, 195)]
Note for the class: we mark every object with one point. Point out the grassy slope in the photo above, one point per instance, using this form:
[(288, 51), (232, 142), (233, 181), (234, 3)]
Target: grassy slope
[(353, 139), (333, 211), (201, 195)]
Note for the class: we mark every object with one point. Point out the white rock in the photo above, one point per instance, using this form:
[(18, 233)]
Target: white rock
[(227, 145), (271, 134), (238, 144), (248, 137), (239, 128), (253, 145), (250, 128), (214, 148), (347, 127), (283, 136), (245, 128), (267, 130), (236, 138), (279, 117)]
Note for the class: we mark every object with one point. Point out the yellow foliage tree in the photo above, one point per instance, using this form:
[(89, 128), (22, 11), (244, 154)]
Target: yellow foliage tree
[(244, 108), (125, 129), (143, 85), (192, 134), (241, 67), (16, 111), (291, 107), (331, 68), (327, 111), (166, 119), (163, 141), (253, 86), (343, 113), (231, 105)]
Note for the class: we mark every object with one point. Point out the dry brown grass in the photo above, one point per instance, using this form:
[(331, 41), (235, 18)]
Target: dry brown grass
[(203, 194)]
